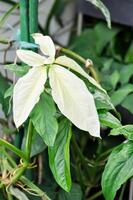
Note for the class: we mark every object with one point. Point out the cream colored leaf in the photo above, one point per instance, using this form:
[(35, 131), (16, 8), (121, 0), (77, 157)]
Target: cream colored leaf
[(74, 100), (46, 46), (31, 58), (70, 63), (27, 92)]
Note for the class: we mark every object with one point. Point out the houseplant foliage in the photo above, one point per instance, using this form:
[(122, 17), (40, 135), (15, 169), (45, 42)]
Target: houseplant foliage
[(58, 109)]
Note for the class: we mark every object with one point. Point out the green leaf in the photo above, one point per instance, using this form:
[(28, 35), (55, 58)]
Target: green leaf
[(59, 158), (18, 193), (17, 69), (74, 194), (118, 169), (107, 119), (103, 36), (118, 96), (9, 92), (127, 131), (126, 73), (97, 39), (114, 78), (129, 54), (38, 146), (102, 100), (44, 119), (128, 103), (99, 4)]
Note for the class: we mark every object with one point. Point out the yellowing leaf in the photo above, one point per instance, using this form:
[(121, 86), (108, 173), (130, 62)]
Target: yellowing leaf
[(70, 63), (27, 92), (74, 100), (31, 58), (46, 46)]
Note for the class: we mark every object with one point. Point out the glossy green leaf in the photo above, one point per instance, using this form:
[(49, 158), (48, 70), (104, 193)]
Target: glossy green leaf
[(59, 158), (126, 73), (118, 169), (128, 103), (38, 146), (19, 70), (99, 4), (114, 78), (118, 96), (102, 100), (74, 194), (44, 119), (107, 119), (127, 131)]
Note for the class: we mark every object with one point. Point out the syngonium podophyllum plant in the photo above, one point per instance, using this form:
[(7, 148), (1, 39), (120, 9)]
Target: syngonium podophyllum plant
[(51, 76)]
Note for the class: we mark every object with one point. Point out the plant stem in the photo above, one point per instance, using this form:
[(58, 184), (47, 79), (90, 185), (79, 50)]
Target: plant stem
[(9, 196), (82, 60), (33, 17), (95, 195), (24, 8), (11, 161), (81, 156), (13, 148), (38, 191), (29, 140), (73, 54), (50, 15)]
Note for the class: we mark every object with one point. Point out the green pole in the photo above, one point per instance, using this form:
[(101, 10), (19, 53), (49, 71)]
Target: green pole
[(24, 20), (33, 17)]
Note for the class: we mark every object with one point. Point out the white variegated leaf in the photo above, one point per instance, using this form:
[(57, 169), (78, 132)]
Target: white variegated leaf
[(74, 100), (26, 93), (46, 46), (31, 58), (70, 63)]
